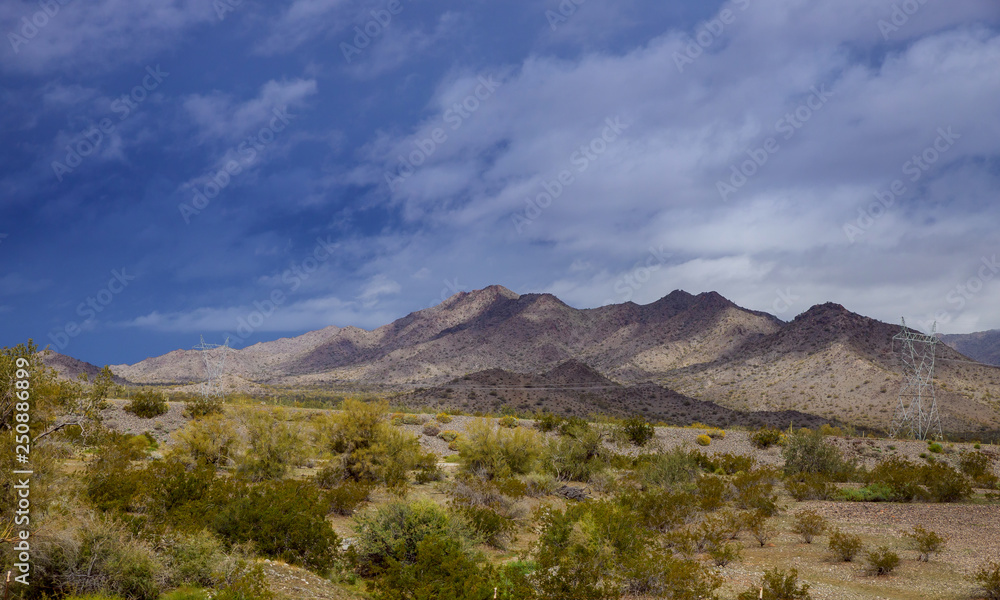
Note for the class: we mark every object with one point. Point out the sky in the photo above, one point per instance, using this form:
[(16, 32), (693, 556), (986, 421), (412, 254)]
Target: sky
[(179, 169)]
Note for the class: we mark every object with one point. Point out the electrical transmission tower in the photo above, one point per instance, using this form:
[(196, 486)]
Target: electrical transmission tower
[(215, 366), (916, 414)]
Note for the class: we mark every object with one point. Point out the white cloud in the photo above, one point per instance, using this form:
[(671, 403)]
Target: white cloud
[(220, 116), (378, 286), (656, 186), (94, 34)]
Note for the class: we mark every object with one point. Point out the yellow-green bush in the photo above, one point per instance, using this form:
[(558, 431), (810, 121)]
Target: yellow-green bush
[(443, 418), (508, 421), (211, 440), (274, 444), (370, 449), (499, 453), (703, 440)]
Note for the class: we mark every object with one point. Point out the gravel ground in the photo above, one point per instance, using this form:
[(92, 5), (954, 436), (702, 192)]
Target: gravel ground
[(160, 427)]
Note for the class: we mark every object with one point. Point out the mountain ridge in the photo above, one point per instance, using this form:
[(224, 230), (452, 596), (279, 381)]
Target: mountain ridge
[(827, 361)]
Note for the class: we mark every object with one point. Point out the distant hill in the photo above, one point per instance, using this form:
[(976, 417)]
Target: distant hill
[(983, 346), (574, 388), (828, 361), (68, 367)]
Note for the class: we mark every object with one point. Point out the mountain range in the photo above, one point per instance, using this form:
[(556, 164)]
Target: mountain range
[(827, 362), (983, 346)]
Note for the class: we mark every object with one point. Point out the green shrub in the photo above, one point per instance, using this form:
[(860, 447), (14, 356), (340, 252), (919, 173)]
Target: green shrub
[(808, 524), (810, 486), (637, 430), (900, 476), (448, 435), (147, 404), (193, 559), (186, 593), (759, 527), (711, 491), (413, 419), (935, 447), (945, 484), (926, 542), (873, 492), (439, 567), (546, 422), (394, 530), (845, 546), (111, 482), (443, 418), (988, 578), (809, 452), (703, 440), (881, 561), (243, 579), (978, 466), (577, 456), (670, 468), (579, 549), (733, 463), (348, 496), (754, 490), (723, 554), (284, 519), (575, 427), (660, 510), (427, 469), (202, 406), (174, 494), (488, 507), (489, 524), (765, 437), (778, 585)]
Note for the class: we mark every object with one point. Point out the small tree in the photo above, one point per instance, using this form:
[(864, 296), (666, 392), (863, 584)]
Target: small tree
[(809, 452), (926, 542), (988, 577), (759, 528), (844, 545), (808, 524), (882, 561), (638, 431), (778, 585)]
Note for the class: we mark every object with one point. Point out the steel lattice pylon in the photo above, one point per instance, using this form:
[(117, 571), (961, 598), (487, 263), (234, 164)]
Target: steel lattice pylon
[(214, 367), (916, 413)]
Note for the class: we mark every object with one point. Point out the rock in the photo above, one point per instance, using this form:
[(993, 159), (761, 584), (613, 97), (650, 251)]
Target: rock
[(572, 493)]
